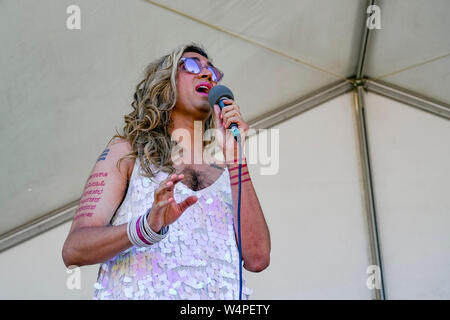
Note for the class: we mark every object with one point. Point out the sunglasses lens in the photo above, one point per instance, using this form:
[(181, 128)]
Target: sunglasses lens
[(191, 66), (216, 74)]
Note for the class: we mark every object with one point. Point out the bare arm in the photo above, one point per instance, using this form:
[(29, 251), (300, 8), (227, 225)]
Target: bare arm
[(255, 234), (91, 239), (91, 245)]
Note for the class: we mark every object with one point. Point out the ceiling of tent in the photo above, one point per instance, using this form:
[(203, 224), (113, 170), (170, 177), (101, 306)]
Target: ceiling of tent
[(412, 49), (63, 92)]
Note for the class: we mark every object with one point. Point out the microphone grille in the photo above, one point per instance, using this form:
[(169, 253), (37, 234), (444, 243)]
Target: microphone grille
[(217, 93)]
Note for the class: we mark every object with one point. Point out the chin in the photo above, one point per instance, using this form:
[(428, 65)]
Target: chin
[(204, 108)]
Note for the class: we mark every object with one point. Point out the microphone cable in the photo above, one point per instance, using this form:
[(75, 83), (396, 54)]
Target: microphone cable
[(237, 135)]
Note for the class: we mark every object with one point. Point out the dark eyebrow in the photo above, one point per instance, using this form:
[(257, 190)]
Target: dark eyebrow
[(209, 63)]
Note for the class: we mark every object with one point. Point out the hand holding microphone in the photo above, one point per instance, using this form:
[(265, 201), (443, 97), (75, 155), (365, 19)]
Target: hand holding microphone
[(227, 115)]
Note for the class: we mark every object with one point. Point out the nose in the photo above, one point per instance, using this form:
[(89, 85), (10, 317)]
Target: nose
[(205, 74)]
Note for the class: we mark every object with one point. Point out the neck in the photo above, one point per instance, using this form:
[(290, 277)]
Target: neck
[(188, 133)]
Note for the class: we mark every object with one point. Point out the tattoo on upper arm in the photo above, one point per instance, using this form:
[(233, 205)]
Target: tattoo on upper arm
[(92, 194), (103, 155)]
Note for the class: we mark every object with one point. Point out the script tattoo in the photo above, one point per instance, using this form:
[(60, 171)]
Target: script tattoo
[(92, 194)]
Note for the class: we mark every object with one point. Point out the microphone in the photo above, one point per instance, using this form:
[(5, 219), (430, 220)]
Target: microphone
[(216, 96)]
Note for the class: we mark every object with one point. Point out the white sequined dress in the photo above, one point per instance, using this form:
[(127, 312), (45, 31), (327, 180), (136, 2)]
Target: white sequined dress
[(197, 260)]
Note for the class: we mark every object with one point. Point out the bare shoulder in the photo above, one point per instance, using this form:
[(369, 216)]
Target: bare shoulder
[(120, 148), (105, 187)]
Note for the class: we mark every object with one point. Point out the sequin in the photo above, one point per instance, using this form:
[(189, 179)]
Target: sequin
[(172, 291), (199, 258), (127, 279), (128, 292), (98, 286)]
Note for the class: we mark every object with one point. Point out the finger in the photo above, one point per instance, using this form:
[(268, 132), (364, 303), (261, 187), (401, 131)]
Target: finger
[(217, 117), (230, 107), (173, 181), (169, 178), (163, 185), (217, 112), (229, 114), (175, 177), (168, 184), (228, 101), (227, 110), (189, 201), (231, 120)]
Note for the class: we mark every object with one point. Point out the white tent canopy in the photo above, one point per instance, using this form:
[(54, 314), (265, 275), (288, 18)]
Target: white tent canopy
[(65, 91)]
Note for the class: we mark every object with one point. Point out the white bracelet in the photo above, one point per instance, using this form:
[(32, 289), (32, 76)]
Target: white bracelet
[(133, 234), (152, 235), (141, 235)]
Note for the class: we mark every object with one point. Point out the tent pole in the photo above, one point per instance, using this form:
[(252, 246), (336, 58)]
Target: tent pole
[(373, 239), (378, 293), (38, 226), (301, 105), (363, 49), (410, 98)]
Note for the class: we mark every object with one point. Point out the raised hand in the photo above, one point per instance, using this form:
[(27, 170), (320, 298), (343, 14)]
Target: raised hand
[(165, 209)]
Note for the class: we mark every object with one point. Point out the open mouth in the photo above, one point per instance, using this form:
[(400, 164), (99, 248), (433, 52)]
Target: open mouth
[(203, 89)]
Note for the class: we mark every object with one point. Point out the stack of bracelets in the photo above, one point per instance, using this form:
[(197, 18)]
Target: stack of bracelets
[(140, 233)]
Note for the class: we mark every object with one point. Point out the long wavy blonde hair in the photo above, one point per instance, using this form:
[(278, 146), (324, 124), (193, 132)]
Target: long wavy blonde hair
[(147, 126)]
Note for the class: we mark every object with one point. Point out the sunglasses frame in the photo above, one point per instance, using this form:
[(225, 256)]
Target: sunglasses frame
[(216, 72)]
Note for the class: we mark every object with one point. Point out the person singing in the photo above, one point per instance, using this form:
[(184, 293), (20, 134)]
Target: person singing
[(162, 226)]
